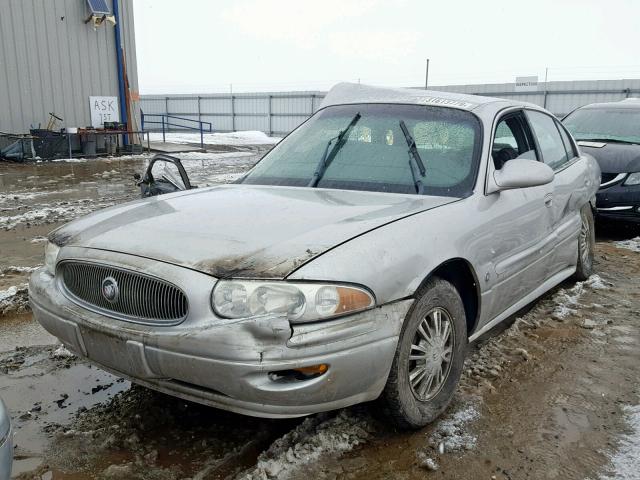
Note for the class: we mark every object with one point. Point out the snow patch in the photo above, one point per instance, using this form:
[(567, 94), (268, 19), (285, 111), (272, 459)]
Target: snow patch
[(224, 178), (451, 433), (186, 156), (314, 438), (12, 270), (20, 196), (62, 352), (625, 462), (14, 299), (70, 160), (597, 283), (632, 244), (39, 216), (235, 138), (567, 300), (8, 293)]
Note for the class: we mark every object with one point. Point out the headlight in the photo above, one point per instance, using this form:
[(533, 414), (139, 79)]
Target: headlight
[(299, 302), (50, 256), (633, 179)]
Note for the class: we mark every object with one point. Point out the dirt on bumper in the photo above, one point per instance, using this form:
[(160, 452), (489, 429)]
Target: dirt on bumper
[(229, 364)]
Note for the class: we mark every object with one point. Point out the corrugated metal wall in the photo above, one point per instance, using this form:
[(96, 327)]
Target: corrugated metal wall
[(558, 97), (274, 113), (51, 61), (278, 113)]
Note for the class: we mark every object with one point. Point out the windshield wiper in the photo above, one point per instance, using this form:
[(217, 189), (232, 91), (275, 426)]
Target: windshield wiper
[(414, 159), (607, 140), (328, 156)]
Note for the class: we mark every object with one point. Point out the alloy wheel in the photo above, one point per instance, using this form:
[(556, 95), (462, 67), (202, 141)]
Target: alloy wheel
[(431, 354), (585, 242)]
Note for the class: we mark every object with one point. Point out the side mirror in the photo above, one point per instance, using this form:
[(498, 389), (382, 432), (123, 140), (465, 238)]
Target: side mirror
[(522, 173), (136, 177)]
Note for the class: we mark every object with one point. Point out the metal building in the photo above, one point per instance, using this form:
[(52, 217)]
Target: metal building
[(55, 54)]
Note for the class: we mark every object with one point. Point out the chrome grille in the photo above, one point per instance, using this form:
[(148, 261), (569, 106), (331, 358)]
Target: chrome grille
[(140, 298)]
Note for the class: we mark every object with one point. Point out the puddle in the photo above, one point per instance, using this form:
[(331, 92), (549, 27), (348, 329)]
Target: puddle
[(63, 388), (22, 330)]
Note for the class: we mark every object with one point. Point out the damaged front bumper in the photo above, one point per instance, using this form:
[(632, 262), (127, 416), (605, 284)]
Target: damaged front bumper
[(236, 365)]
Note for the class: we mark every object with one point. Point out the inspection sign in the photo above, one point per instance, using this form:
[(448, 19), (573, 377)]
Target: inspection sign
[(103, 109), (526, 84)]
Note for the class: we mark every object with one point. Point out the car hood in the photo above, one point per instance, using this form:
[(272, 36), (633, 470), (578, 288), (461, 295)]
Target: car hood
[(243, 231), (614, 157)]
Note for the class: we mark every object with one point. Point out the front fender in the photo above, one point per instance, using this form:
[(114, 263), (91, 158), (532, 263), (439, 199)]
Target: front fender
[(394, 260)]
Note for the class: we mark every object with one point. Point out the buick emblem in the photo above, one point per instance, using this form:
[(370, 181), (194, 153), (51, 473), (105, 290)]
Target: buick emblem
[(110, 290)]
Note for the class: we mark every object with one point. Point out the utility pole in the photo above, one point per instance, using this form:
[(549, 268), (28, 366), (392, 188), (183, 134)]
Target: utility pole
[(426, 77), (546, 89)]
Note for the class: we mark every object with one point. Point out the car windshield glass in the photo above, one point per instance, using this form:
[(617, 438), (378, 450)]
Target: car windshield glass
[(615, 124), (374, 154)]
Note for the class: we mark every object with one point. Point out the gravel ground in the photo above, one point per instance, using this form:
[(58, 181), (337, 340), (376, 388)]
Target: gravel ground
[(552, 394)]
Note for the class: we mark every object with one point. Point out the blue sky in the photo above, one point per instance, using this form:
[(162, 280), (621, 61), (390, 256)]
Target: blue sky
[(204, 46)]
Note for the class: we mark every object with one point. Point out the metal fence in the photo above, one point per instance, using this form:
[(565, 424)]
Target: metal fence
[(277, 113), (273, 113), (559, 97)]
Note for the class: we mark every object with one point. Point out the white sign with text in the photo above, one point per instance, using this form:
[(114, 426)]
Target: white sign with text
[(526, 84), (103, 109)]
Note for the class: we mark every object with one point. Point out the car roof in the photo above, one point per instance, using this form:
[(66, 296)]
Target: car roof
[(350, 93), (632, 103)]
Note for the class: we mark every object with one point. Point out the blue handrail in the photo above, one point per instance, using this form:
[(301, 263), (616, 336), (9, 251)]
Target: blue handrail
[(164, 120)]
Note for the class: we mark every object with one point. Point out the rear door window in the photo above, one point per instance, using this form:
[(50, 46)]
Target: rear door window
[(551, 145), (568, 144)]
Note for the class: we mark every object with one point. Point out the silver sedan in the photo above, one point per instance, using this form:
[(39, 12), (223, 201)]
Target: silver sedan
[(354, 262)]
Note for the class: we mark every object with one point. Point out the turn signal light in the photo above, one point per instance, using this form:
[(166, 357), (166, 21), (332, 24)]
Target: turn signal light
[(315, 370), (299, 374)]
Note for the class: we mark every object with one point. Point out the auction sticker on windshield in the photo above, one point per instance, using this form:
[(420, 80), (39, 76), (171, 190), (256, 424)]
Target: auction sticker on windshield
[(447, 102)]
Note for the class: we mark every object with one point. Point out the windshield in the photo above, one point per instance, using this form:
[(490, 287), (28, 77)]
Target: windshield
[(374, 154), (617, 124)]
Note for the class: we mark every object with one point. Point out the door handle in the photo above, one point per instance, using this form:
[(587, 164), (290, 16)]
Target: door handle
[(548, 200)]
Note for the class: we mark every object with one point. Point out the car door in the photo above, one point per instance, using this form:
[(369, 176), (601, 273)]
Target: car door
[(519, 230), (165, 174), (570, 187)]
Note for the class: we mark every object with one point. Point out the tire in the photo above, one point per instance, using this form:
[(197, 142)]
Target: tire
[(586, 244), (412, 407)]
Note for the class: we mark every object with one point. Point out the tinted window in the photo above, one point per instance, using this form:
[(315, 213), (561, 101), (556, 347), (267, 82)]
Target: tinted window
[(375, 154), (622, 124), (551, 145)]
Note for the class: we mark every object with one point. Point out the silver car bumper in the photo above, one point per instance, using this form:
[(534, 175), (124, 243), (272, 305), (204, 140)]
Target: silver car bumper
[(227, 363)]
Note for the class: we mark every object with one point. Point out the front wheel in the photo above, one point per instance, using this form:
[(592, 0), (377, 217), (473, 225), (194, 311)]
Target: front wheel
[(429, 358), (586, 244)]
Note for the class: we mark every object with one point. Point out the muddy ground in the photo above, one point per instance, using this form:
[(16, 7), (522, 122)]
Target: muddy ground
[(554, 394)]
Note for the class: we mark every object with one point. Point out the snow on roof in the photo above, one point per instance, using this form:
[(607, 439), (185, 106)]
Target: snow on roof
[(344, 93)]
